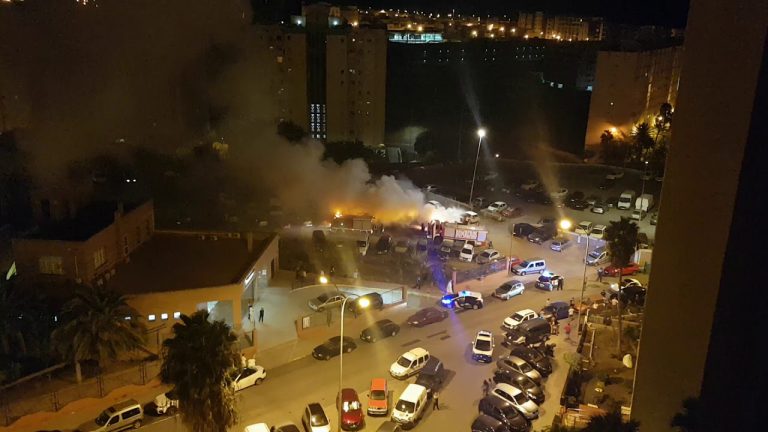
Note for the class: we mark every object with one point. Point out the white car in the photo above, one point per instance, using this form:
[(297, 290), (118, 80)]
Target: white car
[(615, 175), (315, 419), (409, 363), (258, 427), (598, 231), (482, 347), (497, 206), (529, 184), (626, 282), (166, 403), (559, 194), (250, 376), (488, 256), (467, 253), (518, 399), (519, 317), (584, 228)]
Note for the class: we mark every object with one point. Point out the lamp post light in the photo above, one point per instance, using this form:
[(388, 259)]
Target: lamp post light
[(480, 135), (363, 303)]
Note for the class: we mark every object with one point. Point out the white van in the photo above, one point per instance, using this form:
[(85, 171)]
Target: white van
[(467, 252), (626, 200), (470, 218), (409, 363), (411, 405), (533, 265), (125, 415)]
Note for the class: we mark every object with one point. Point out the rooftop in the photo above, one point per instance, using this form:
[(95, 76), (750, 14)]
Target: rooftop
[(88, 221), (171, 262)]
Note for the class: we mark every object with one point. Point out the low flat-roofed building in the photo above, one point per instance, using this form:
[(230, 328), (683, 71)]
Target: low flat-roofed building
[(182, 272)]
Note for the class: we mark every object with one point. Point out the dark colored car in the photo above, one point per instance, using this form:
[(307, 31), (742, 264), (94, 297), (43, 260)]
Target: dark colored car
[(632, 294), (522, 229), (533, 331), (390, 426), (331, 347), (485, 423), (534, 357), (468, 302), (559, 309), (542, 234), (427, 316), (575, 196), (348, 403), (521, 381), (504, 412), (375, 301), (431, 375), (288, 427), (384, 244), (578, 204), (379, 330)]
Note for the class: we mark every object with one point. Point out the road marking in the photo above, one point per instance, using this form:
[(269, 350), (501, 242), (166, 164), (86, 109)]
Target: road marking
[(435, 334), (415, 341)]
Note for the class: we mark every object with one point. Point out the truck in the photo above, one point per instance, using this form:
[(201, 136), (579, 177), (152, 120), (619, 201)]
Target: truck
[(362, 223), (473, 233), (626, 199), (644, 202)]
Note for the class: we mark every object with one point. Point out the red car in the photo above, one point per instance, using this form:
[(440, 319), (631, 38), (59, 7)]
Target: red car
[(351, 410), (630, 269)]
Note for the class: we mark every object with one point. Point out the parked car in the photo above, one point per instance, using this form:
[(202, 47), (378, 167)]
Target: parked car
[(410, 407), (559, 244), (599, 207), (409, 363), (520, 381), (575, 196), (532, 265), (249, 376), (512, 212), (378, 398), (558, 309), (467, 252), (284, 427), (314, 419), (327, 300), (549, 281), (390, 426), (518, 398), (637, 215), (257, 427), (598, 256), (522, 229), (598, 231), (519, 317), (497, 206), (126, 414), (489, 256), (629, 270), (384, 244), (654, 218), (534, 357), (166, 403), (509, 289), (469, 300), (532, 331), (427, 316), (374, 299), (331, 347), (482, 347), (517, 364), (485, 423), (348, 404), (379, 330), (431, 376), (583, 228), (504, 412)]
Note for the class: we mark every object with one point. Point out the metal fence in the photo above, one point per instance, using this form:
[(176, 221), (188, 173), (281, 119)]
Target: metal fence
[(15, 402), (480, 271)]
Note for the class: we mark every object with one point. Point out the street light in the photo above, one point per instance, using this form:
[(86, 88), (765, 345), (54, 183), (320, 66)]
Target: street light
[(480, 135), (363, 303), (565, 225)]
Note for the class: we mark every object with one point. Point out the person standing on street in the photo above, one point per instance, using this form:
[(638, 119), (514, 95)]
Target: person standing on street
[(599, 274), (437, 400), (567, 329), (560, 283), (261, 315), (486, 387)]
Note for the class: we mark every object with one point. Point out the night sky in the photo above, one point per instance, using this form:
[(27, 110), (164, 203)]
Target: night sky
[(660, 12)]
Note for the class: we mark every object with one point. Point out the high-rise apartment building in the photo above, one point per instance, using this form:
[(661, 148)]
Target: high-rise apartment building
[(560, 27), (327, 73), (630, 86), (704, 330)]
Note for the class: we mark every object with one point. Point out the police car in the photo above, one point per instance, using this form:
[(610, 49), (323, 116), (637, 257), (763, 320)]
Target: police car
[(465, 300), (549, 281), (482, 348)]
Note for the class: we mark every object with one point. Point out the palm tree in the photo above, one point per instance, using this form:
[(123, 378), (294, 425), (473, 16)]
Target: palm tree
[(621, 237), (97, 324), (690, 419), (197, 362), (611, 422), (642, 139)]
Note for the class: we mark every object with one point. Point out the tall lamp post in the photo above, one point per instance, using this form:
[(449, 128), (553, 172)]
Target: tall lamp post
[(565, 225), (363, 303), (642, 191), (480, 136)]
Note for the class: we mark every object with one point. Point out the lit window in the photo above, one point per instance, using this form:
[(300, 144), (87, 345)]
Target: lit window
[(151, 317), (99, 258), (176, 315), (164, 316), (127, 318), (51, 265)]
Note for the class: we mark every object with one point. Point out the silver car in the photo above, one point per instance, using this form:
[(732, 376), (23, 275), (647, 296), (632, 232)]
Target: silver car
[(507, 290), (518, 398), (517, 364), (326, 300)]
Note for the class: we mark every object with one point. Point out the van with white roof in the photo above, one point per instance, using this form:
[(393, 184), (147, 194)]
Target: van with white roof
[(411, 405)]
